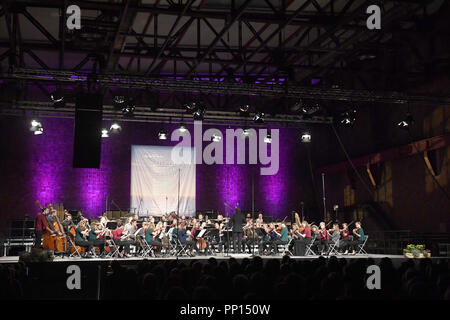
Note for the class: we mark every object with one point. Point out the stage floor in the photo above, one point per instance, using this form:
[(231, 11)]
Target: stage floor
[(15, 259)]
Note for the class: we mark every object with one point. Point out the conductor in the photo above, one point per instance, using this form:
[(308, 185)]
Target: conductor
[(237, 220)]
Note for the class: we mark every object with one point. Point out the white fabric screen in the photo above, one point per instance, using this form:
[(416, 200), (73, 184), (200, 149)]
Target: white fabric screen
[(155, 177)]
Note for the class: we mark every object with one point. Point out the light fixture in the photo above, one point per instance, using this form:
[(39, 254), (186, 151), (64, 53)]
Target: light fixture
[(306, 137), (216, 137), (297, 106), (259, 117), (162, 134), (199, 113), (128, 109), (191, 106), (119, 101), (36, 127), (115, 128), (311, 109), (57, 98), (407, 122), (268, 138), (244, 108), (182, 128), (105, 133), (246, 132), (348, 118), (38, 131)]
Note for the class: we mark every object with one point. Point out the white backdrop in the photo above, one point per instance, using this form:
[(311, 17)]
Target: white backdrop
[(154, 181)]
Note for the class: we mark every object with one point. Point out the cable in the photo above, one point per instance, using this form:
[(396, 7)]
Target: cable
[(351, 163)]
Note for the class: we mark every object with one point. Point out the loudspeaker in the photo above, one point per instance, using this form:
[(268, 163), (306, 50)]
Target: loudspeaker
[(88, 130)]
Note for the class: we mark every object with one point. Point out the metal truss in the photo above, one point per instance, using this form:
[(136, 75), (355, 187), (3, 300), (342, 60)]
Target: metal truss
[(276, 89), (161, 115)]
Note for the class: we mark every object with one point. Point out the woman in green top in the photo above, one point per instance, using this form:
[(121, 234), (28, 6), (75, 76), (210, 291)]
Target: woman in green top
[(80, 233), (359, 237)]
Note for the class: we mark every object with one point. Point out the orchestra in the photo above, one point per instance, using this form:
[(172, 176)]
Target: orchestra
[(195, 235)]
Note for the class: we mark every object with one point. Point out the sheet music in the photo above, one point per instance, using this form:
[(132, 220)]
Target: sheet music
[(202, 232)]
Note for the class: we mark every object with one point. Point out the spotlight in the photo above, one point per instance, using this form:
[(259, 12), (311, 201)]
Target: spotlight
[(105, 133), (259, 117), (309, 110), (246, 132), (38, 131), (57, 98), (244, 108), (190, 106), (297, 106), (268, 138), (162, 134), (405, 124), (119, 102), (182, 128), (35, 124), (199, 114), (348, 118), (216, 137), (128, 110), (306, 137), (115, 128)]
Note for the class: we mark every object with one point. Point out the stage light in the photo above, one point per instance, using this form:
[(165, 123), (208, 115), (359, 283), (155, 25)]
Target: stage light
[(199, 114), (182, 128), (309, 110), (119, 102), (244, 108), (115, 128), (405, 124), (348, 118), (162, 134), (216, 137), (190, 106), (36, 127), (38, 131), (268, 138), (297, 106), (57, 98), (105, 133), (306, 137), (128, 110), (259, 117), (246, 132)]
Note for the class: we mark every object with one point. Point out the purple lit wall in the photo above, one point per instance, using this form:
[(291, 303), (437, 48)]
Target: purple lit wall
[(40, 168)]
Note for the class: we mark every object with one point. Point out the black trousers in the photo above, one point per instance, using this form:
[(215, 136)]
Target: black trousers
[(263, 245), (275, 244), (300, 246), (324, 244), (237, 241), (248, 242), (84, 244), (37, 239)]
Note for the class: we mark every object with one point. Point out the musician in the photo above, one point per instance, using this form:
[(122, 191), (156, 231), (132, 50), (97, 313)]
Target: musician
[(301, 238), (237, 220), (250, 236), (119, 239), (265, 241), (282, 237), (51, 218), (335, 234), (217, 237), (359, 237), (81, 235), (94, 238), (148, 229), (344, 242), (67, 222), (315, 238), (324, 238), (41, 226), (200, 218), (259, 221)]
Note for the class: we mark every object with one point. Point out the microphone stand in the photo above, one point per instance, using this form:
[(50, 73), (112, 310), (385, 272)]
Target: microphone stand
[(324, 200)]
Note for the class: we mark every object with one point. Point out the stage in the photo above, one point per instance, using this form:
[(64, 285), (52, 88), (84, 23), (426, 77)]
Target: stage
[(396, 259)]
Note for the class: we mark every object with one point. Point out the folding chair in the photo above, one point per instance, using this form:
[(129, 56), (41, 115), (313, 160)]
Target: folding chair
[(361, 246), (285, 247), (332, 249), (147, 250), (309, 250), (181, 248)]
